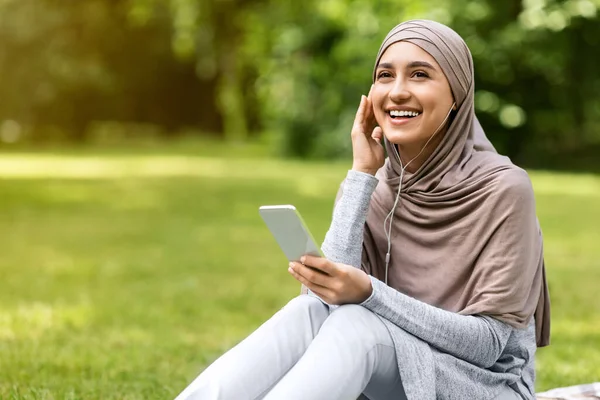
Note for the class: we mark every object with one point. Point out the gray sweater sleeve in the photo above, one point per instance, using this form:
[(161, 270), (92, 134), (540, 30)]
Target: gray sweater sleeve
[(343, 242), (477, 339)]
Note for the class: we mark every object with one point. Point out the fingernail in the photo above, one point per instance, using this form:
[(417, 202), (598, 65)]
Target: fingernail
[(291, 265), (290, 269), (302, 259)]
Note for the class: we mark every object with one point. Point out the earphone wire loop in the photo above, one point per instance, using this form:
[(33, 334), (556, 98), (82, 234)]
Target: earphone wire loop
[(390, 216)]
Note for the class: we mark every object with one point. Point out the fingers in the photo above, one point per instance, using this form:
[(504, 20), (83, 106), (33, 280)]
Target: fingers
[(321, 263), (377, 134), (311, 274), (360, 114), (299, 273), (364, 121), (369, 115), (323, 297)]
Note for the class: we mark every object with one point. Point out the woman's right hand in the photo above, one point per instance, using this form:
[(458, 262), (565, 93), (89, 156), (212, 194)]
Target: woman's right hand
[(368, 154)]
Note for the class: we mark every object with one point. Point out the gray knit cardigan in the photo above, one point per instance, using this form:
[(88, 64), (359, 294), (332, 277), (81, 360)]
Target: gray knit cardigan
[(441, 354)]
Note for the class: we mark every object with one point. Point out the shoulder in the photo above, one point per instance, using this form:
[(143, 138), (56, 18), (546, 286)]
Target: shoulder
[(499, 170), (512, 188), (513, 180), (504, 181)]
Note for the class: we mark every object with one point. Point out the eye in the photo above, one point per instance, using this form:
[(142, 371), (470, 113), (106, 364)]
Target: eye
[(383, 75), (420, 74)]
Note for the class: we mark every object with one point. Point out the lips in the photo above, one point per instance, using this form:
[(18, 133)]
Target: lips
[(403, 113), (398, 121)]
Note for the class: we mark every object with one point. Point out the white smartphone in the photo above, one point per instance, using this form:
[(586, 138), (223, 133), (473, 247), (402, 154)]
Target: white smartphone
[(290, 231)]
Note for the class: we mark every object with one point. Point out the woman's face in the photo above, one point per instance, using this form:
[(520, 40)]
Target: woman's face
[(411, 96)]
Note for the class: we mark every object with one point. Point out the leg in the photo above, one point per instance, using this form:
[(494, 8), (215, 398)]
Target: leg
[(353, 352), (252, 367)]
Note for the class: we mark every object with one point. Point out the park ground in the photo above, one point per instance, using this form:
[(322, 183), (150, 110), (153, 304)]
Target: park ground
[(124, 272)]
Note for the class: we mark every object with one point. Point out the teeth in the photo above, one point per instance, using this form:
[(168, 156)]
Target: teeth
[(397, 113)]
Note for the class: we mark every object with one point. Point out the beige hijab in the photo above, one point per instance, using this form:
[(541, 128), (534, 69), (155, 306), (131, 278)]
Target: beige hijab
[(465, 236)]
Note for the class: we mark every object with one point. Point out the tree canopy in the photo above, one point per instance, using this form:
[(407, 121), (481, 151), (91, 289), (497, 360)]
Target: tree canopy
[(288, 70)]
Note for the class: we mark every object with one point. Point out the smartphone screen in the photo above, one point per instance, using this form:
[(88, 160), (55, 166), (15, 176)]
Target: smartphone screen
[(290, 231)]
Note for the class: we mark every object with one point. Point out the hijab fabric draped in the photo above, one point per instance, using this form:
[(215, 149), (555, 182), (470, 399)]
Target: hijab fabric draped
[(465, 236)]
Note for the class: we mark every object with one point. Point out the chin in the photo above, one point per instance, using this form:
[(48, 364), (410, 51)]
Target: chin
[(400, 138)]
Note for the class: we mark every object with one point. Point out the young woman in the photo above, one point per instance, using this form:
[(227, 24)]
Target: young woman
[(434, 284)]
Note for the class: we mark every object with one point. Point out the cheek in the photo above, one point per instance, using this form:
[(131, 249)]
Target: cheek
[(380, 116), (438, 108)]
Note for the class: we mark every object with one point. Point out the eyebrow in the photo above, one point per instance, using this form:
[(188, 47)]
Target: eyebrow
[(412, 64)]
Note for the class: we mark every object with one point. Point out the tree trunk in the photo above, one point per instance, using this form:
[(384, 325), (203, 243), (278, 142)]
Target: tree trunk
[(230, 94)]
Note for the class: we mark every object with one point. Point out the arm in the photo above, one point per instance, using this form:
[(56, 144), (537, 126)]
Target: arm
[(477, 339), (471, 336), (343, 241)]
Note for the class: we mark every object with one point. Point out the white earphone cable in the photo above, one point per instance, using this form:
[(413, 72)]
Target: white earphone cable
[(390, 216)]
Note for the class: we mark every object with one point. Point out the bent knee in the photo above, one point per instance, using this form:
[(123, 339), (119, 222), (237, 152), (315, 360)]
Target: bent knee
[(357, 325), (306, 304), (305, 301), (353, 313)]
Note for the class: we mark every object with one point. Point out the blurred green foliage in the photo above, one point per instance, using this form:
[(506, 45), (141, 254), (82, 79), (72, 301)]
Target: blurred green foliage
[(290, 71)]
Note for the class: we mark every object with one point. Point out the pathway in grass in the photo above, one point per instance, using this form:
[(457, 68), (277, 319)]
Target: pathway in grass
[(123, 276)]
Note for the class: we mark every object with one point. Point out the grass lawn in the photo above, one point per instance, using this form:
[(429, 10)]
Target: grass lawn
[(123, 275)]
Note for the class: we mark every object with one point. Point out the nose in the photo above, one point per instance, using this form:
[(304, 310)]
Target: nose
[(399, 92)]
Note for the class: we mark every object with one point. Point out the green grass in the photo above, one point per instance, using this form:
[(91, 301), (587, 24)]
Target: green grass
[(123, 275)]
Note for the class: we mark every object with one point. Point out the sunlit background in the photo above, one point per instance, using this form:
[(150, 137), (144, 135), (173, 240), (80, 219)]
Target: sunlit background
[(138, 139)]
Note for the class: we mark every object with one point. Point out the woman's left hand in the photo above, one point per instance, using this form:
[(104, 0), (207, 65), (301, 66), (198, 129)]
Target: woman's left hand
[(337, 284)]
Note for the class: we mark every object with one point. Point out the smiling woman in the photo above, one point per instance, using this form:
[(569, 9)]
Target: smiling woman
[(412, 100), (433, 282)]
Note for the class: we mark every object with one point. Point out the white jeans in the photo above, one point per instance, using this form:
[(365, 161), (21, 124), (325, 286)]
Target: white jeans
[(306, 351)]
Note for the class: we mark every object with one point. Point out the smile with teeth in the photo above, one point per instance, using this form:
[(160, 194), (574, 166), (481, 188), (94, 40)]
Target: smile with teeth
[(398, 113)]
